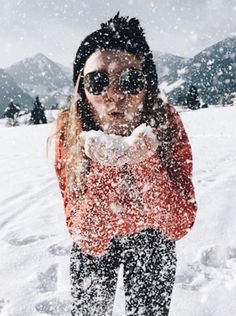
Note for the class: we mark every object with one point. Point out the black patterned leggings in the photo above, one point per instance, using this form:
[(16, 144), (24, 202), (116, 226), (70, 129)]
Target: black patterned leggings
[(149, 261)]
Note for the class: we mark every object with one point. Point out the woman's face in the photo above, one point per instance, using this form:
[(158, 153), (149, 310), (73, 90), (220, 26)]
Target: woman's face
[(114, 110)]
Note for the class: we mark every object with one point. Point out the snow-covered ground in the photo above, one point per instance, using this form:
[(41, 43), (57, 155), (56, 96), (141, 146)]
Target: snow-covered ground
[(35, 245)]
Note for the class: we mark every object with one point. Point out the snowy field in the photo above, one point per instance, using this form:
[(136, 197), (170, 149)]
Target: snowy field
[(35, 245)]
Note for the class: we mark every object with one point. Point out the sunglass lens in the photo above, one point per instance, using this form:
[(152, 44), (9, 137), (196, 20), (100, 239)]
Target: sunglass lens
[(96, 82), (132, 81)]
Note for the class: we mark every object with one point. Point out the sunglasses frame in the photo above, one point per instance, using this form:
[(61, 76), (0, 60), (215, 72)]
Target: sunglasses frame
[(112, 81)]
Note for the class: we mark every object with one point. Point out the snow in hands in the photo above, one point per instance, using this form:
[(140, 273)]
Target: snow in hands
[(116, 150)]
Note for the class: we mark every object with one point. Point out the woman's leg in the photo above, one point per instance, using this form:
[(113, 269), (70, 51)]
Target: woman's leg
[(149, 273), (93, 283)]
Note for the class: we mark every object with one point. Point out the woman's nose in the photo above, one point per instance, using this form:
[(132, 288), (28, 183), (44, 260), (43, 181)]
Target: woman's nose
[(113, 92)]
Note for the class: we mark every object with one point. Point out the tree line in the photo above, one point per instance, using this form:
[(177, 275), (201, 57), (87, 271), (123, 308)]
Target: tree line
[(37, 114)]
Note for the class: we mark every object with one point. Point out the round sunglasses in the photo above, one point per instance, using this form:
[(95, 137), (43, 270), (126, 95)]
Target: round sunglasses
[(131, 81)]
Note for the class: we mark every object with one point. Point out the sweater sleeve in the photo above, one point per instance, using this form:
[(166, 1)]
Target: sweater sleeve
[(166, 184), (60, 162)]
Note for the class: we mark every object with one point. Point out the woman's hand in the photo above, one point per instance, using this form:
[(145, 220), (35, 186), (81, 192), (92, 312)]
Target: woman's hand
[(114, 150), (103, 148), (143, 146)]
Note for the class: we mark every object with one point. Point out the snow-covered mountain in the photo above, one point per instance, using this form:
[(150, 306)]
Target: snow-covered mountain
[(67, 70), (168, 66), (39, 75), (9, 89), (212, 71)]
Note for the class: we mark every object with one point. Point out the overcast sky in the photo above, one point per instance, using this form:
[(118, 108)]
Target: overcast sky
[(56, 27)]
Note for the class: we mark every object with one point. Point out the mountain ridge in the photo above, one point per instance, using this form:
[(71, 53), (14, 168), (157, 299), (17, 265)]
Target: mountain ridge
[(211, 70)]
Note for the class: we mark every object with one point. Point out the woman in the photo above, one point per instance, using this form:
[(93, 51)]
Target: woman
[(124, 165)]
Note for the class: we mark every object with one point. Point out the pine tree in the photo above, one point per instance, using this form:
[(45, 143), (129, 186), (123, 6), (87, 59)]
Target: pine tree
[(38, 114), (192, 99), (11, 113)]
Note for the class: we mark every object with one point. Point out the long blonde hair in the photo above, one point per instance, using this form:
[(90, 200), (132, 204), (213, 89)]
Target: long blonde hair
[(66, 131)]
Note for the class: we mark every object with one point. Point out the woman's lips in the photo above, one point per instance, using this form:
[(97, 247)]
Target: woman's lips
[(117, 114)]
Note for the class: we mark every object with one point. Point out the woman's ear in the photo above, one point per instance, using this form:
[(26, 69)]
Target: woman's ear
[(79, 95), (79, 85)]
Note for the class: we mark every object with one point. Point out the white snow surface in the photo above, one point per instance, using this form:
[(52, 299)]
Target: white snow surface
[(35, 245)]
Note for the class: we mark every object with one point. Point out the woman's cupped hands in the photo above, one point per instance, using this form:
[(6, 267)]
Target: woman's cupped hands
[(115, 150)]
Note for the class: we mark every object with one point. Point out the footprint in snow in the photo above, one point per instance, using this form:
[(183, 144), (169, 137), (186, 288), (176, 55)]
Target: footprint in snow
[(214, 263), (217, 256), (57, 250), (25, 241), (54, 307), (48, 279), (3, 304)]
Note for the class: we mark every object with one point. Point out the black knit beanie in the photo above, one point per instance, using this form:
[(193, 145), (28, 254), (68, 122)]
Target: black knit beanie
[(119, 33)]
